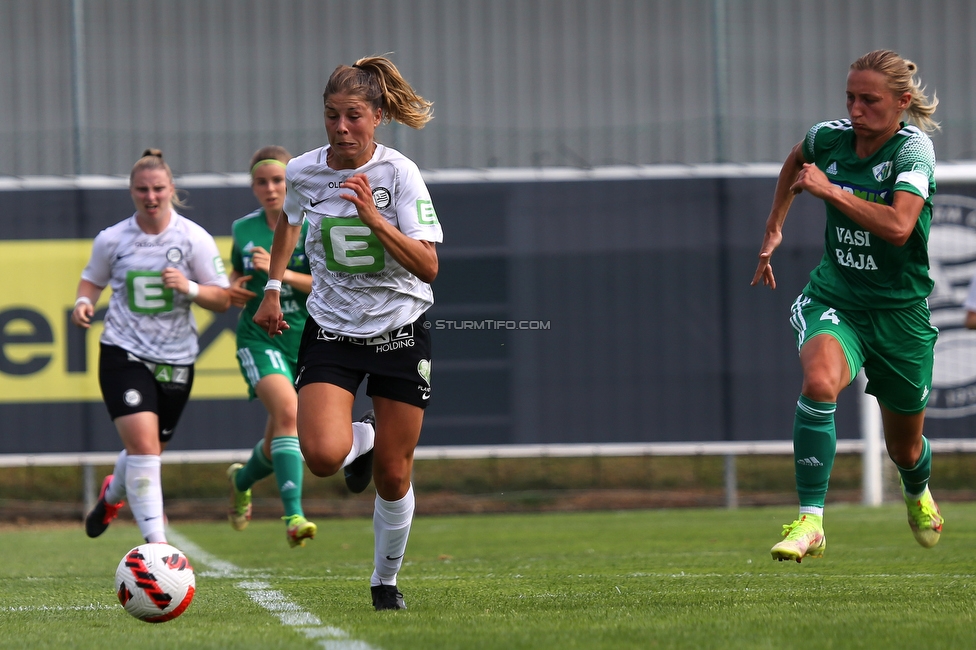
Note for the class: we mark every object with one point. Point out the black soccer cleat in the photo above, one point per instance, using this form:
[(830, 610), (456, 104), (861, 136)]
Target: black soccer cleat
[(359, 472), (387, 597)]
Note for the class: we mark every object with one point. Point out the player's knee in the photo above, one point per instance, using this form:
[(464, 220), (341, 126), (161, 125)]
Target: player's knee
[(322, 464), (285, 421), (391, 480), (820, 387), (906, 457)]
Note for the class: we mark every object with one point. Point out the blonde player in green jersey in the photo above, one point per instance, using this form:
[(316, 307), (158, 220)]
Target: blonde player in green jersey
[(268, 365), (865, 304)]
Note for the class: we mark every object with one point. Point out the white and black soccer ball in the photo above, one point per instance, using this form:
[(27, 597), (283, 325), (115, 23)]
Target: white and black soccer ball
[(155, 582)]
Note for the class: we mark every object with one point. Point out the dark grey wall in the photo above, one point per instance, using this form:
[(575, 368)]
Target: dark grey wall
[(651, 331)]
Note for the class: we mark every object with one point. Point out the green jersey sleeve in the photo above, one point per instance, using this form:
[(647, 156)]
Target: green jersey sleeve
[(914, 165)]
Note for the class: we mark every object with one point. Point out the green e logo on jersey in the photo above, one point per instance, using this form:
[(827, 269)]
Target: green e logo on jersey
[(351, 247), (425, 213), (147, 295)]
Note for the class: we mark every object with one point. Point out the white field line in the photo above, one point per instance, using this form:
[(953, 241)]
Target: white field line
[(272, 600), (58, 608)]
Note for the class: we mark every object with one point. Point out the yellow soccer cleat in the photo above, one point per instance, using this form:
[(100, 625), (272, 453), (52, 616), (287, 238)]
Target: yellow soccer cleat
[(239, 512), (298, 530), (924, 518), (803, 538)]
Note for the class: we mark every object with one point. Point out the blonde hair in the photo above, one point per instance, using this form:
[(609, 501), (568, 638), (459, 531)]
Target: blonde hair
[(380, 84), (153, 159), (900, 74), (271, 152)]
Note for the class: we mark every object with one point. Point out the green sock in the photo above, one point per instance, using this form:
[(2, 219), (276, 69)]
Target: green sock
[(916, 479), (814, 447), (258, 466), (289, 469)]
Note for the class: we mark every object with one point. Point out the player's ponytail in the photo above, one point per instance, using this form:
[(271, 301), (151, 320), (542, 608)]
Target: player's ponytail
[(377, 80)]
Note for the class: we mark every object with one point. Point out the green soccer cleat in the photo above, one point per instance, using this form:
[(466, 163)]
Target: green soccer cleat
[(239, 513), (924, 518), (298, 530), (804, 538)]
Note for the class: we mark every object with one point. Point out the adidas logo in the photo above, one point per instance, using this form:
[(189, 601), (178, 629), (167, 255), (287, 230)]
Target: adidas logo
[(288, 485), (248, 247), (810, 462), (831, 169)]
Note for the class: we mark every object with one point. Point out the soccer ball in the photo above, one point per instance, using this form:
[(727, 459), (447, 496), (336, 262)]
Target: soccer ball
[(155, 582)]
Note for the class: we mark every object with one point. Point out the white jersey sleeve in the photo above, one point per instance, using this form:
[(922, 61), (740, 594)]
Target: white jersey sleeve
[(99, 268), (293, 205), (415, 211), (206, 266)]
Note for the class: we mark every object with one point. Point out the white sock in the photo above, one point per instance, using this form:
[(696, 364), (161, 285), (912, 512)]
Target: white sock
[(811, 510), (144, 488), (391, 527), (116, 489), (362, 441)]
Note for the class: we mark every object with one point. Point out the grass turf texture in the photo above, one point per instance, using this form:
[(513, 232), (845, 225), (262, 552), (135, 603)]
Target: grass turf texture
[(637, 579)]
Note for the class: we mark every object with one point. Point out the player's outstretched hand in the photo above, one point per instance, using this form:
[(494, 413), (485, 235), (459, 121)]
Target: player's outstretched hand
[(813, 180), (362, 199), (174, 279), (260, 259), (764, 270), (269, 317), (239, 296), (82, 314)]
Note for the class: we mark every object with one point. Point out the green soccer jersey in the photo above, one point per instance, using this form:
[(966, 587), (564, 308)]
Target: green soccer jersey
[(859, 270), (251, 231)]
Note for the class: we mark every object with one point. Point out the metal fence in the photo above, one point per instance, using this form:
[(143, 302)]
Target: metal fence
[(86, 85)]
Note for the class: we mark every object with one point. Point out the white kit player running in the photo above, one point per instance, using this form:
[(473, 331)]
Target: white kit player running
[(371, 241), (157, 263)]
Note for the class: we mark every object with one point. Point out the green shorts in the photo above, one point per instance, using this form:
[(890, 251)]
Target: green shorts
[(895, 347), (259, 358)]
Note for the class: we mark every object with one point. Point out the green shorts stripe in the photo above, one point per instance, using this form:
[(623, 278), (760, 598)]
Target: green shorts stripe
[(248, 367), (258, 359)]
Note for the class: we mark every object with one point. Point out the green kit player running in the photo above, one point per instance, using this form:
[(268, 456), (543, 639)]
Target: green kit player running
[(269, 365), (865, 304)]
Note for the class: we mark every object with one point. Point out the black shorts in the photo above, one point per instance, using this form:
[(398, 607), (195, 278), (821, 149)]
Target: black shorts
[(397, 362), (132, 385)]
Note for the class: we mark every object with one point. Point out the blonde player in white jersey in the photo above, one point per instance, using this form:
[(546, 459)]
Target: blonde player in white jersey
[(371, 241), (157, 263)]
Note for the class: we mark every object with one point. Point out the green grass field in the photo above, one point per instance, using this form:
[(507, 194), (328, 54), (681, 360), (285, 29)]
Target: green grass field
[(687, 578)]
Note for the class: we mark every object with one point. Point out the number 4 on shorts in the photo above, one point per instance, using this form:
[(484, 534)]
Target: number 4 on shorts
[(830, 315)]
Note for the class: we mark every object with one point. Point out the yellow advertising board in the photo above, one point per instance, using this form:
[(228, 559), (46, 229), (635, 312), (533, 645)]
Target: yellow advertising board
[(43, 360)]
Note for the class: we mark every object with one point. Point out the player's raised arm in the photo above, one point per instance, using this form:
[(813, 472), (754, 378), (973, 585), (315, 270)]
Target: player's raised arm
[(269, 315), (782, 199)]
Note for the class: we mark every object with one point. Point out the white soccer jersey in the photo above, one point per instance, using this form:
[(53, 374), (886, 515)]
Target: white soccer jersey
[(358, 289), (144, 317)]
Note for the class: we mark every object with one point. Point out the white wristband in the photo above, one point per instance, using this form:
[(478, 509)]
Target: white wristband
[(192, 289), (83, 300), (273, 285)]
